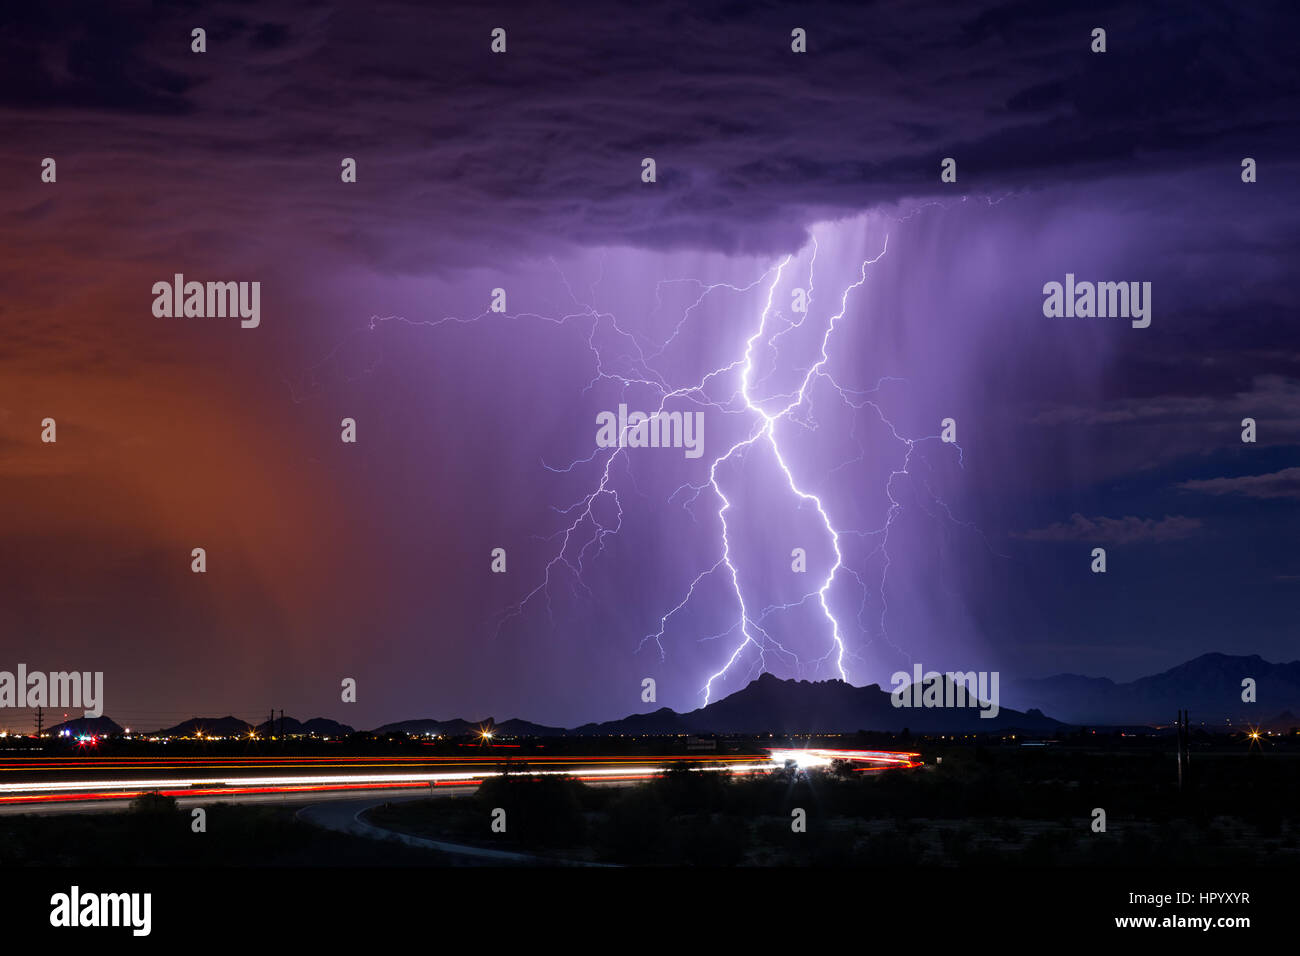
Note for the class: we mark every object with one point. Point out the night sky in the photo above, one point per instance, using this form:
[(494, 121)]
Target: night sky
[(476, 430)]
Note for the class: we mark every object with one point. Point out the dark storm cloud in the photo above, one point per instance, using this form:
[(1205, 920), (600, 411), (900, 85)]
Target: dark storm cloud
[(1127, 530), (1279, 484), (1275, 397), (752, 141), (89, 56), (1145, 432), (226, 164)]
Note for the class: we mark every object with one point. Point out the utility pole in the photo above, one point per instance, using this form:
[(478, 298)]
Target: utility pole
[(1178, 742), (281, 726), (270, 725), (1180, 726)]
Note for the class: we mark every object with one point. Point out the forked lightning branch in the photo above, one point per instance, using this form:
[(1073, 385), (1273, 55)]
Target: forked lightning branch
[(680, 419), (751, 646)]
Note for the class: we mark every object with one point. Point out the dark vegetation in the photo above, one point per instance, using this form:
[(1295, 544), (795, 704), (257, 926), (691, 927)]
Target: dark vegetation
[(973, 804), (153, 833), (981, 806)]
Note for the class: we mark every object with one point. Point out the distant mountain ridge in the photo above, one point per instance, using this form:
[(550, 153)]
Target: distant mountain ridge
[(456, 727), (320, 726), (1209, 686), (208, 726), (770, 705), (86, 725), (234, 727)]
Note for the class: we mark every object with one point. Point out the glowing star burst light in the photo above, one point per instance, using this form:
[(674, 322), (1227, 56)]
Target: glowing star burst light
[(810, 757)]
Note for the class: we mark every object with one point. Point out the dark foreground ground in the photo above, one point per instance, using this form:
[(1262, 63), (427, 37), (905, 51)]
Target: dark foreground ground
[(969, 806), (977, 808)]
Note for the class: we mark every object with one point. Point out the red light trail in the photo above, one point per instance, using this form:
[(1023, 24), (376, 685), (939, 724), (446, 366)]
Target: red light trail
[(604, 769)]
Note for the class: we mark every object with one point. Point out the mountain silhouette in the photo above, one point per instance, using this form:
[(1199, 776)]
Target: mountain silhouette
[(320, 726), (767, 705), (208, 726), (86, 725), (1209, 686), (457, 727), (772, 705)]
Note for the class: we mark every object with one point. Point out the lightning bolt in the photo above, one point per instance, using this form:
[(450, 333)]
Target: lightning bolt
[(596, 515), (766, 432)]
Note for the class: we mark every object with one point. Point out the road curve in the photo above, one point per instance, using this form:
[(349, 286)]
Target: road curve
[(344, 816)]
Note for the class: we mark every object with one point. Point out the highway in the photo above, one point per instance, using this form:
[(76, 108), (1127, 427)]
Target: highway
[(345, 816), (92, 784)]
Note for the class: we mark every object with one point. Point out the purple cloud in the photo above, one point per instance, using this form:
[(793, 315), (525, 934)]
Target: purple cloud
[(1277, 484), (1127, 530)]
